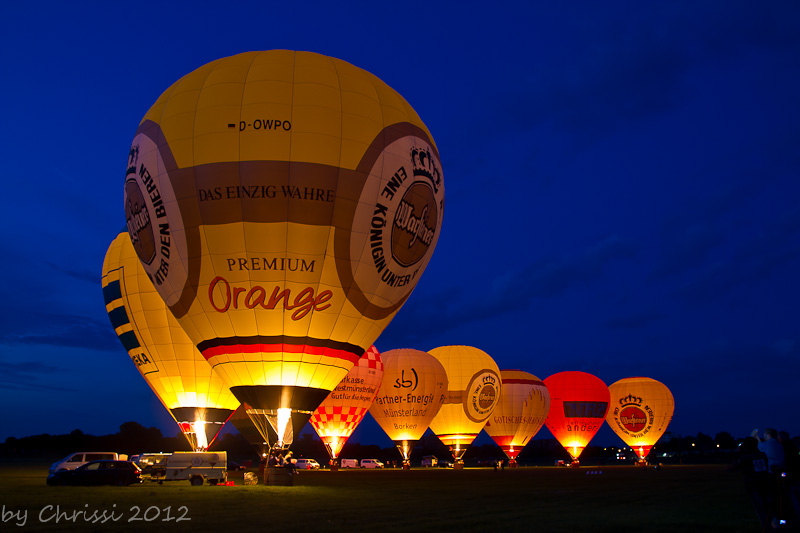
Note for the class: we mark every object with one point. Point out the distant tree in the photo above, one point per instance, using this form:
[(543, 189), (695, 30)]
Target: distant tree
[(725, 440)]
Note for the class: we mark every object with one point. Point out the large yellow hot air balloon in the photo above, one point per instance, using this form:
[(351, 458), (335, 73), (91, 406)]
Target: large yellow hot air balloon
[(474, 387), (195, 396), (342, 411), (285, 205), (520, 413), (413, 390), (641, 409)]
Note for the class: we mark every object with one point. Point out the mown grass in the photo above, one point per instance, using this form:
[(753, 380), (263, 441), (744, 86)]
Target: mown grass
[(621, 499)]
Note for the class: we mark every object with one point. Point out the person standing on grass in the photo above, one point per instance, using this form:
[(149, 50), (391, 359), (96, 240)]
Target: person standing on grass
[(752, 463)]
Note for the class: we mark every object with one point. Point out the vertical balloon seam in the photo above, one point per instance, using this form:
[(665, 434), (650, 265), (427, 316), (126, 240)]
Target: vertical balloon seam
[(311, 316)]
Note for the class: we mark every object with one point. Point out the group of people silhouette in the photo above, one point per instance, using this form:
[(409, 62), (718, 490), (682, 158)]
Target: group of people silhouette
[(770, 462)]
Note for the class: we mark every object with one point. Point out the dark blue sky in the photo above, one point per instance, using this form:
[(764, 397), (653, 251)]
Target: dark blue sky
[(622, 184)]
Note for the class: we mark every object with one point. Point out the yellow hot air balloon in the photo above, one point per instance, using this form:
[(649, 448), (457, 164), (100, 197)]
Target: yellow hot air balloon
[(474, 387), (285, 205), (342, 411), (195, 396), (520, 413), (413, 390), (641, 409)]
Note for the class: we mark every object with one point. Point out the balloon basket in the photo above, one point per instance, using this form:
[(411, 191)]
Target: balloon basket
[(279, 476), (334, 468), (458, 466), (406, 466)]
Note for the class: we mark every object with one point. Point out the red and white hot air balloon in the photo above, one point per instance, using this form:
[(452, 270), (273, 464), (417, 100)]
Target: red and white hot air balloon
[(520, 414), (340, 413)]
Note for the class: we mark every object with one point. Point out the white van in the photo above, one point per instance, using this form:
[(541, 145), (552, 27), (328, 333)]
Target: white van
[(74, 460), (349, 463), (306, 464), (371, 463)]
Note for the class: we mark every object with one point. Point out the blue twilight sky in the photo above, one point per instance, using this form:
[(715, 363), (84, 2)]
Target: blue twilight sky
[(622, 185)]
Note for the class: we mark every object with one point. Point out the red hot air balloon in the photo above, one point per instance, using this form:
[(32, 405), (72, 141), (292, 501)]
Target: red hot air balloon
[(578, 407), (343, 410)]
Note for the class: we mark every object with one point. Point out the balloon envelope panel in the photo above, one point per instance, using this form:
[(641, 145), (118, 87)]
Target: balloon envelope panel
[(578, 406), (474, 387), (413, 389), (285, 205), (641, 409), (520, 413), (164, 355), (340, 413)]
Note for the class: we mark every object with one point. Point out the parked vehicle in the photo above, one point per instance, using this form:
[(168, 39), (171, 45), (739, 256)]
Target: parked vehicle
[(371, 463), (197, 467), (429, 460), (102, 472), (349, 463), (153, 465), (306, 464), (74, 460)]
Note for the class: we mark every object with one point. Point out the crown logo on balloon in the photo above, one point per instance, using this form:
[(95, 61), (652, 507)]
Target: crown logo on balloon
[(630, 399), (425, 166), (489, 380)]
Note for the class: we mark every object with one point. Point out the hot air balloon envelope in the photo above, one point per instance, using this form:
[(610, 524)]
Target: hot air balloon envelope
[(578, 407), (285, 204), (195, 396), (340, 413), (474, 387), (413, 390), (641, 409), (520, 413)]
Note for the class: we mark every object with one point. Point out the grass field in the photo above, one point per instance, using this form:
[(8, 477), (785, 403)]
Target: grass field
[(621, 499)]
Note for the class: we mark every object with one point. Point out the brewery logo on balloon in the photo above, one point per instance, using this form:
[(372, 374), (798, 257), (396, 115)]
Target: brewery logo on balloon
[(632, 417), (157, 238), (482, 395), (402, 223)]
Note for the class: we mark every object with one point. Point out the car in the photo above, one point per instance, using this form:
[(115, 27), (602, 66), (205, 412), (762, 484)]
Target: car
[(234, 466), (103, 472), (306, 464), (349, 463), (371, 463)]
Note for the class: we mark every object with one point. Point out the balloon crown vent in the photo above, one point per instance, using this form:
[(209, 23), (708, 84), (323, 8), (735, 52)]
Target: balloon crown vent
[(630, 399), (425, 166)]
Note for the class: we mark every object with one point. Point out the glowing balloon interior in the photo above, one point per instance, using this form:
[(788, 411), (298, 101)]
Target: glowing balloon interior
[(520, 413), (195, 396), (474, 388), (578, 407), (285, 205), (340, 413), (413, 390), (641, 410)]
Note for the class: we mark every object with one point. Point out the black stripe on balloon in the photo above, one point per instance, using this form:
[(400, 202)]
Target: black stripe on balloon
[(206, 414), (129, 340), (281, 339), (112, 292), (118, 317), (276, 396)]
